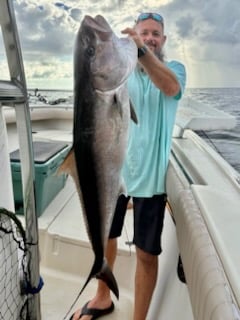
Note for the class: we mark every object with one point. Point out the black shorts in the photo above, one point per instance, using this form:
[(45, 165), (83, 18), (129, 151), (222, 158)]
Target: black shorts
[(148, 221)]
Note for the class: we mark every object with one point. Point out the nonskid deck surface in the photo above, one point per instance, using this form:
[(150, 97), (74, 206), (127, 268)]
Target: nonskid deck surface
[(60, 291), (66, 258)]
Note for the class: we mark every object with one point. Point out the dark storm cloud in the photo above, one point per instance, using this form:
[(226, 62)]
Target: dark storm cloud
[(185, 26), (210, 29), (210, 21)]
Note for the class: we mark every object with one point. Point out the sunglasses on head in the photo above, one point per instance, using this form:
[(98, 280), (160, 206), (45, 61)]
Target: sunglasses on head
[(155, 16)]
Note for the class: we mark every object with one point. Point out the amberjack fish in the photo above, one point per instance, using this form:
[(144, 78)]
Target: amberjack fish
[(102, 112)]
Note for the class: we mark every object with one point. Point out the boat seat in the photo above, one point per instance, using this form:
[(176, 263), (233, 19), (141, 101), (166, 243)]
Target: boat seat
[(211, 293)]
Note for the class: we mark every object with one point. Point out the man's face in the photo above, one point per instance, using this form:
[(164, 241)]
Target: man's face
[(152, 34)]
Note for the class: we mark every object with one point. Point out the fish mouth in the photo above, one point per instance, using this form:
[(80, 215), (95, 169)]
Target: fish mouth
[(99, 25), (114, 58)]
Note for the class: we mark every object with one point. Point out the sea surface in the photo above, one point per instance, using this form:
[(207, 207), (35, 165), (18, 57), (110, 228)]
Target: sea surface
[(225, 142)]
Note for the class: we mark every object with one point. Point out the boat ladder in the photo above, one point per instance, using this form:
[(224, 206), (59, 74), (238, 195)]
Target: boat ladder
[(13, 93)]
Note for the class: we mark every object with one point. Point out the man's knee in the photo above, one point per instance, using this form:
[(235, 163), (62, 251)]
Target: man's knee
[(145, 257)]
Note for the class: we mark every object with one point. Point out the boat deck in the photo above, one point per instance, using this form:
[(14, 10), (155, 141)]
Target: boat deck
[(66, 256)]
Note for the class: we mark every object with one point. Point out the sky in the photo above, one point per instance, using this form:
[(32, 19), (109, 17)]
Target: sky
[(202, 34)]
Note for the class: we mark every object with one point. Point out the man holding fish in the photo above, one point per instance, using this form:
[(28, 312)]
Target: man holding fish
[(155, 88)]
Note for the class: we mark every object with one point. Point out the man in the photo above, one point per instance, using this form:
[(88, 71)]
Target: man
[(154, 88)]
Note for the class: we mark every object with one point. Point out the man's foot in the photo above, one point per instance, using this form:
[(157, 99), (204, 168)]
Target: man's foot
[(94, 313)]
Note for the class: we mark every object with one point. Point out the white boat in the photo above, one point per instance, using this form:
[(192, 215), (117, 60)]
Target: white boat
[(201, 222)]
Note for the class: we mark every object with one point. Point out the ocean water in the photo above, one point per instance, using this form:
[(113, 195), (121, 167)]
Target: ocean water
[(225, 142)]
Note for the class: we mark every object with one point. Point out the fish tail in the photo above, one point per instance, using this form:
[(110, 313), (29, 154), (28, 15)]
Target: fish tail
[(107, 276)]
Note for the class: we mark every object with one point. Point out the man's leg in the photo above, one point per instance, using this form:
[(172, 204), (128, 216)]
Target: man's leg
[(145, 281), (102, 299), (148, 225)]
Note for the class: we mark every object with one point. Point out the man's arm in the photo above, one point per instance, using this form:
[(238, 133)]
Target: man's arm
[(160, 75)]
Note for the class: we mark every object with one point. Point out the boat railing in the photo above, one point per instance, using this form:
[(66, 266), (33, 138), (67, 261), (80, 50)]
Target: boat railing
[(13, 93)]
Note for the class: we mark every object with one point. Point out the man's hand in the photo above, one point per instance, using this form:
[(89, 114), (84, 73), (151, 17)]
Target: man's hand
[(133, 34)]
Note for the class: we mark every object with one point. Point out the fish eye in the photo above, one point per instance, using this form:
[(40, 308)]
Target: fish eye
[(90, 51)]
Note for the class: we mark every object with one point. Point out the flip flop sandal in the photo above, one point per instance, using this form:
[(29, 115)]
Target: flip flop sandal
[(95, 313)]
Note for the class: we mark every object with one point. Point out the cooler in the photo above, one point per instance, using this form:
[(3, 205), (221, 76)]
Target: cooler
[(47, 158)]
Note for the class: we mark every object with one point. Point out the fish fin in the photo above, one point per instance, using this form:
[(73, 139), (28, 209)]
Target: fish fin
[(118, 104), (107, 276), (133, 113), (68, 163)]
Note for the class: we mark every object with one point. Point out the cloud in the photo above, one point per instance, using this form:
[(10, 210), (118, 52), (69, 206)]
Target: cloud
[(200, 33), (61, 5), (45, 29), (185, 26), (76, 14), (208, 21), (53, 69), (206, 30)]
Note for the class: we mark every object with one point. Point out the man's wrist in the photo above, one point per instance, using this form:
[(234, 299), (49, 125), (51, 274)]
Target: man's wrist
[(142, 51)]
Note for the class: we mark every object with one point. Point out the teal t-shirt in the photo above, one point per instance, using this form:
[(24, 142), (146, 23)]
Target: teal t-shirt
[(149, 144)]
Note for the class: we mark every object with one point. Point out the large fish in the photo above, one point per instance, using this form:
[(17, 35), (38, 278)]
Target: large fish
[(102, 64)]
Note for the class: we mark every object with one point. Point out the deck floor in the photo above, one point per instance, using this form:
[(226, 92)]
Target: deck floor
[(66, 258), (60, 290)]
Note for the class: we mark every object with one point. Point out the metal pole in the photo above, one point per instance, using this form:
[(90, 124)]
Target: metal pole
[(28, 182)]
